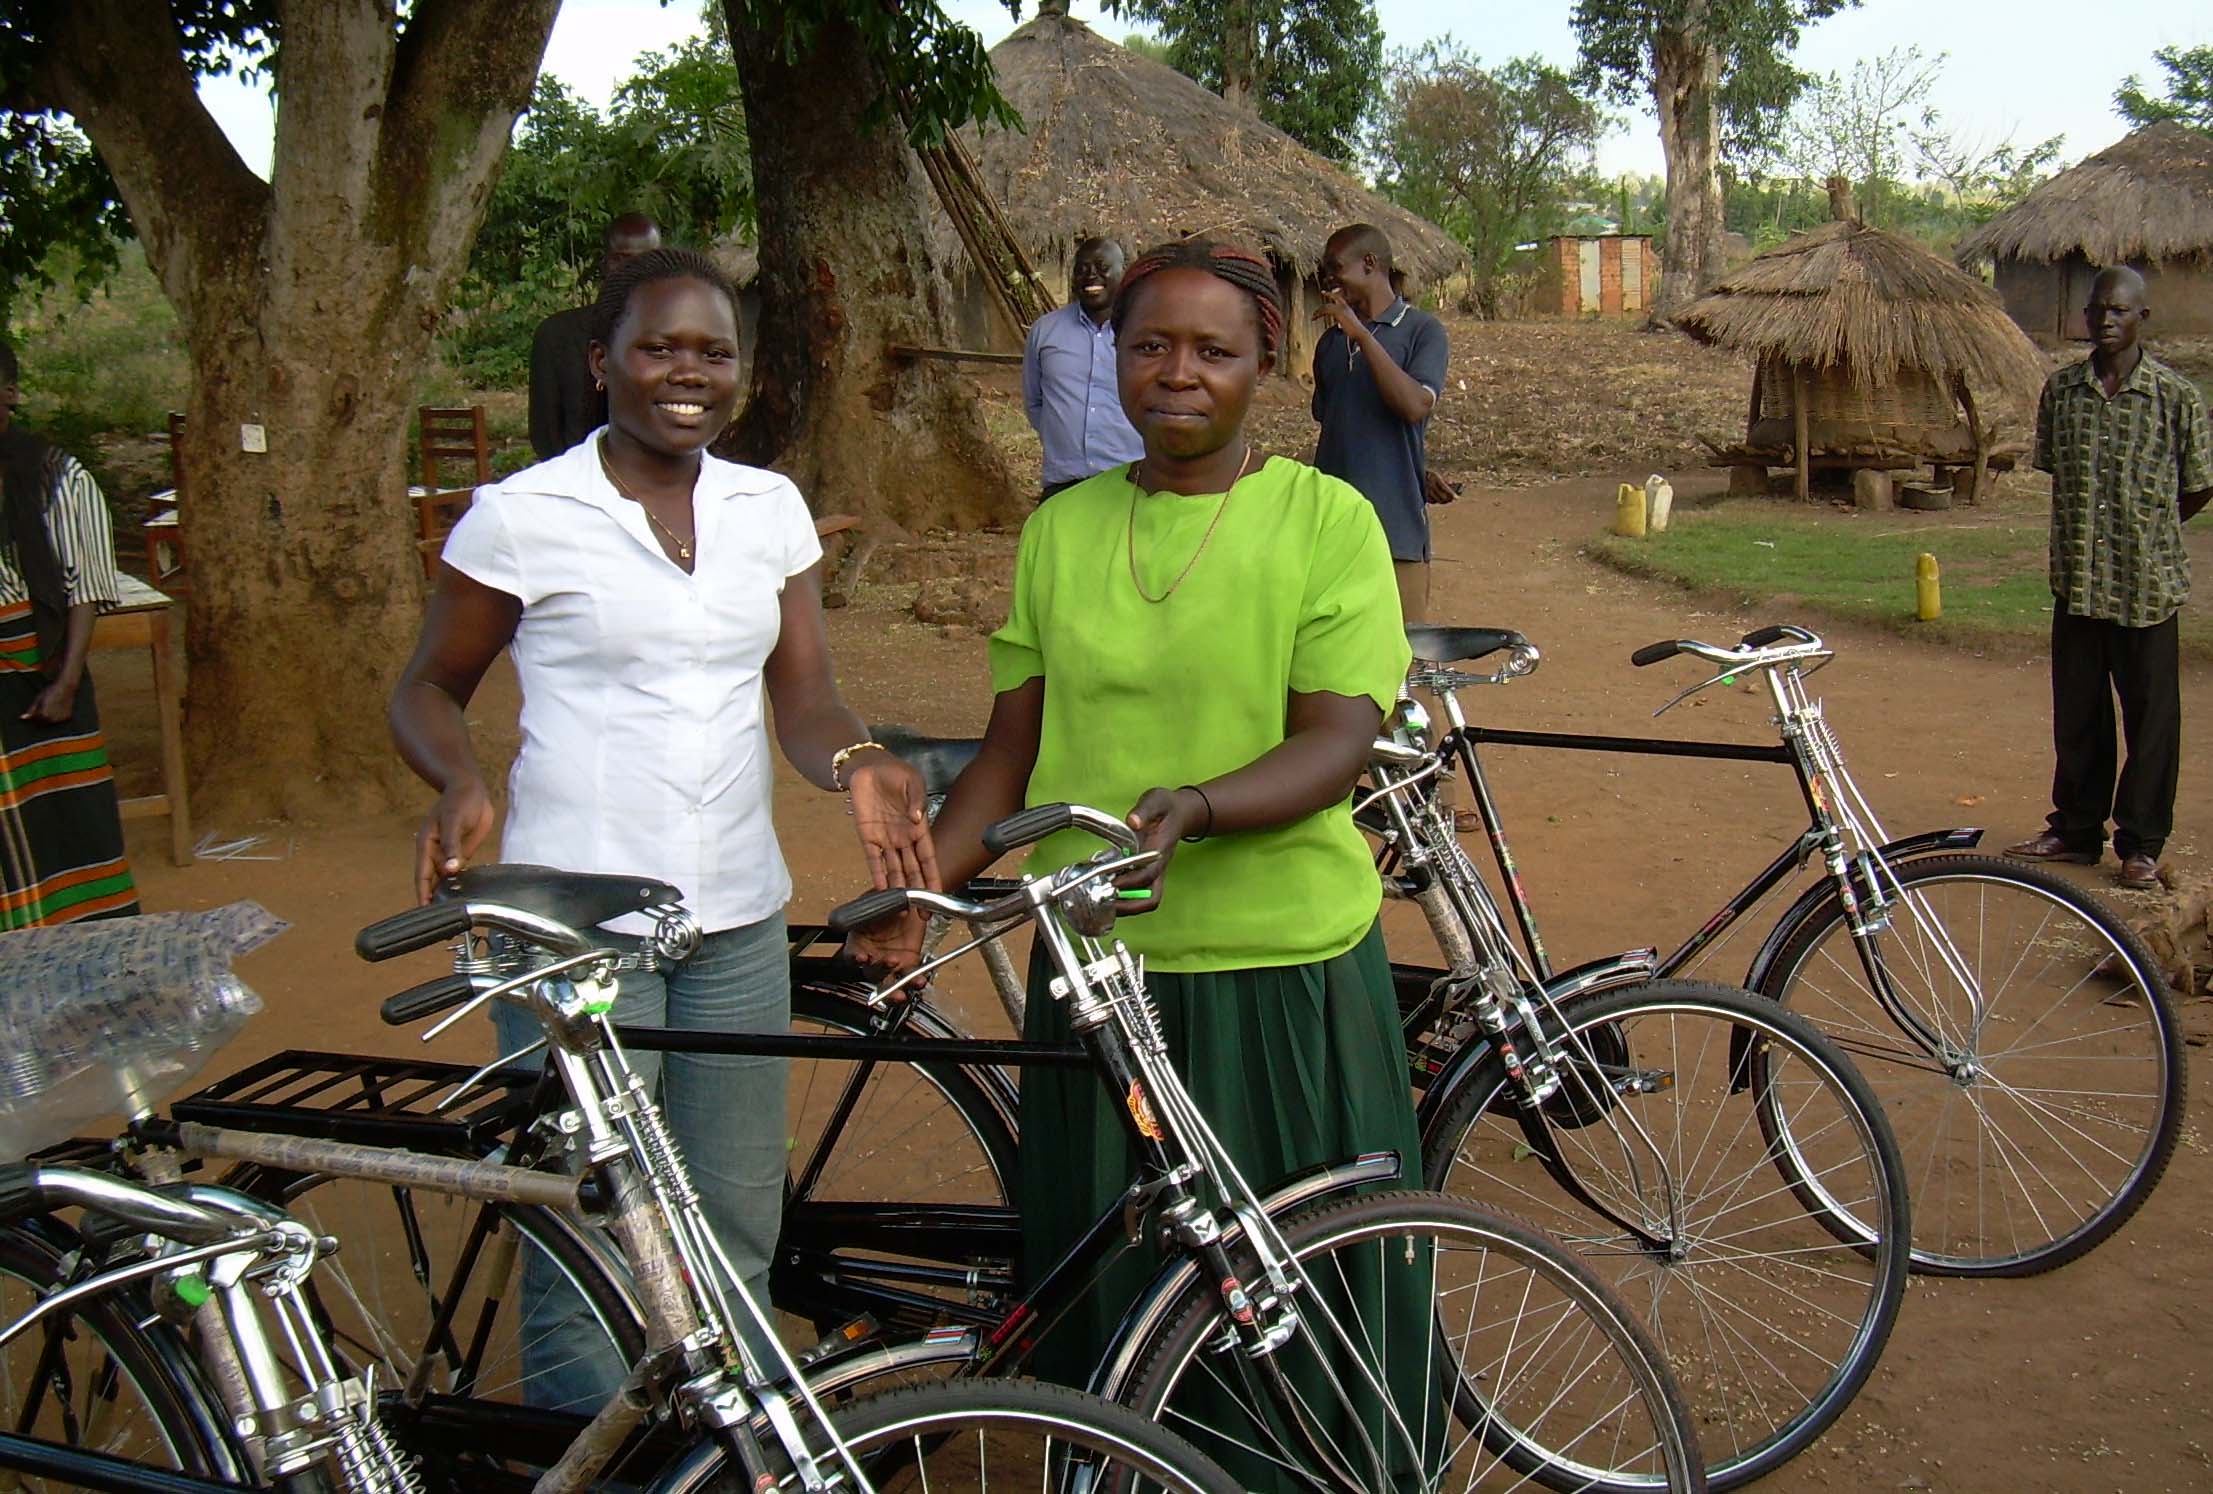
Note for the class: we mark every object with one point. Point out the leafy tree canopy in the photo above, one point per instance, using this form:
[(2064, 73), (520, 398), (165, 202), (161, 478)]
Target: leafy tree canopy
[(55, 193), (1490, 153), (1317, 64), (936, 72), (2189, 96), (1753, 38)]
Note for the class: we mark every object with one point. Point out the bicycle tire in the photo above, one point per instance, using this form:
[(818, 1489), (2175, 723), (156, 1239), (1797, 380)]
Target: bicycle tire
[(888, 1430), (1637, 1408), (138, 1382), (1771, 1321), (2061, 960), (932, 1133)]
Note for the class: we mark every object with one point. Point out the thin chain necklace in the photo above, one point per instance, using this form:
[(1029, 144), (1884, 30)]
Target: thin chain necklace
[(1204, 539), (683, 547)]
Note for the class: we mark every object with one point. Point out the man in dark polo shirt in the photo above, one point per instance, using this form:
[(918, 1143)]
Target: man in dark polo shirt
[(565, 405), (2126, 442), (1377, 372)]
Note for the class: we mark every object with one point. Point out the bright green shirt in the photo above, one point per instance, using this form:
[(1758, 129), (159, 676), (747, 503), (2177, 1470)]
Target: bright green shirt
[(1293, 594)]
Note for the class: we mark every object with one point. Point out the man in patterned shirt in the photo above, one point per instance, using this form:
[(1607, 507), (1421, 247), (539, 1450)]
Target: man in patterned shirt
[(2126, 442)]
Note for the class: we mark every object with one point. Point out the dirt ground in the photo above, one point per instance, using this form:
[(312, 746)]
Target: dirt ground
[(2093, 1378)]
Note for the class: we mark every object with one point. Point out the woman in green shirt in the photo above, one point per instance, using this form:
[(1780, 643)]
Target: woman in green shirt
[(1208, 641)]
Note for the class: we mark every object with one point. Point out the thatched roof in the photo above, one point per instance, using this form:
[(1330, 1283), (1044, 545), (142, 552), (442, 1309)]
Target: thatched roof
[(2148, 198), (1869, 302), (1120, 145)]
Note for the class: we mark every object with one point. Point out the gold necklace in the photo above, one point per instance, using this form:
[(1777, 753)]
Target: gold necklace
[(1204, 539), (683, 547)]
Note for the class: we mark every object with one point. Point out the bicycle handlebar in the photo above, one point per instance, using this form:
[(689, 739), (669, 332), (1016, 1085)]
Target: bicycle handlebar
[(1758, 649), (433, 923), (26, 1191)]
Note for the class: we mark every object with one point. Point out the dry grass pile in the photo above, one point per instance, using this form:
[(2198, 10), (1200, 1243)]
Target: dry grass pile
[(1868, 303), (2149, 197)]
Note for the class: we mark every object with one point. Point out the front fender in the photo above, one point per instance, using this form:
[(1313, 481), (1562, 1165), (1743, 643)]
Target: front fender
[(1794, 917)]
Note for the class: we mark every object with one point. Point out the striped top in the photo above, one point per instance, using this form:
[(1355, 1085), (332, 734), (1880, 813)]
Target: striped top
[(84, 543)]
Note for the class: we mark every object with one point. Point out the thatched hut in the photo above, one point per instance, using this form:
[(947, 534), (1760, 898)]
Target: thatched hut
[(1120, 145), (2146, 202), (1870, 354)]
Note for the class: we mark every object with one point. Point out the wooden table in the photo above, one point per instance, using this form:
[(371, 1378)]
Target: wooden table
[(142, 620)]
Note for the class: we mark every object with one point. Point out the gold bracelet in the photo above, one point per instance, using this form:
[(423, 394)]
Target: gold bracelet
[(838, 761)]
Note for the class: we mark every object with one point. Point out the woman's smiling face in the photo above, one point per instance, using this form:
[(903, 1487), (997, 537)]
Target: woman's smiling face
[(1188, 357), (672, 367)]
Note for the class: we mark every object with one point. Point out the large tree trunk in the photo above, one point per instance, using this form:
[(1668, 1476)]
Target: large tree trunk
[(846, 274), (1241, 55), (1686, 76), (308, 305)]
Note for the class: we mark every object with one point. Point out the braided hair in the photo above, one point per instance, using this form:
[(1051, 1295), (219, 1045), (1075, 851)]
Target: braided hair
[(1240, 267), (644, 269)]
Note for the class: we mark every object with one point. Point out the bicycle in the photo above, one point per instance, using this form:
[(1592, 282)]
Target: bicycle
[(1632, 1118), (710, 1394), (1271, 1310), (259, 1397), (2017, 1033)]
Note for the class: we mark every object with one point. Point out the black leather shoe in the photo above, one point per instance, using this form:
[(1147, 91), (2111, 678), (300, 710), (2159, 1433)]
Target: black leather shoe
[(2139, 873), (2051, 846)]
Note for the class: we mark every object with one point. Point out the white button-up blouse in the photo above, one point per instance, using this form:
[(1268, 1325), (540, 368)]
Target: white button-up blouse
[(645, 747)]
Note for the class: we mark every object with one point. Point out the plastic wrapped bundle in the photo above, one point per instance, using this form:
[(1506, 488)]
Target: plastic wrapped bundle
[(108, 1017)]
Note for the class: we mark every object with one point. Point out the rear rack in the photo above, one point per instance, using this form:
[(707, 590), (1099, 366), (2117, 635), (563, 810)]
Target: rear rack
[(371, 1100)]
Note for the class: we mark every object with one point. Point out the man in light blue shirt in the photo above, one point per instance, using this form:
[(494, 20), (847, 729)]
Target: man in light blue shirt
[(1068, 384)]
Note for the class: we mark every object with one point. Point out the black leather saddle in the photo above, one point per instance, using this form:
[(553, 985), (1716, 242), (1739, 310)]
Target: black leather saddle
[(938, 759), (1460, 645), (577, 900)]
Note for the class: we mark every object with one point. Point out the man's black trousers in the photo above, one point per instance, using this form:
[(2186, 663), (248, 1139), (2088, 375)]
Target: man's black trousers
[(2094, 662)]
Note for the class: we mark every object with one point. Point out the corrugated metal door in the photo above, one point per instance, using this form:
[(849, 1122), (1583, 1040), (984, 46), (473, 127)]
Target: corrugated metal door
[(1632, 274), (1587, 279)]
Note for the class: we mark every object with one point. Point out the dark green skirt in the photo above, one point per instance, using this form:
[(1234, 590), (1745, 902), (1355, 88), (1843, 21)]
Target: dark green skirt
[(1294, 1066)]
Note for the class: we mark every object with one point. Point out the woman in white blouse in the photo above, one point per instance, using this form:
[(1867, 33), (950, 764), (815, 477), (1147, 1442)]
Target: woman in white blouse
[(648, 592)]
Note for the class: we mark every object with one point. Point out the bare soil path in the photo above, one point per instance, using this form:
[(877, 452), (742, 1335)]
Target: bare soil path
[(2094, 1378)]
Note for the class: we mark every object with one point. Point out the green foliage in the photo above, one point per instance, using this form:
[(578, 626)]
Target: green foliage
[(1146, 46), (1753, 38), (936, 72), (2189, 96), (1316, 66), (58, 205), (1490, 154)]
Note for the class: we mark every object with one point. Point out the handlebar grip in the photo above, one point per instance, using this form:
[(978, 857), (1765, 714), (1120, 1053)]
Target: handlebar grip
[(1653, 653), (1027, 828), (866, 909), (426, 1000), (1772, 633), (20, 1193), (417, 928)]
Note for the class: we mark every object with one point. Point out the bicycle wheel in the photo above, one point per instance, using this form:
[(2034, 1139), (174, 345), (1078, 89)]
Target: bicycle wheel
[(91, 1379), (1687, 1120), (1442, 1347), (989, 1434), (869, 1134), (458, 1303), (2041, 1099)]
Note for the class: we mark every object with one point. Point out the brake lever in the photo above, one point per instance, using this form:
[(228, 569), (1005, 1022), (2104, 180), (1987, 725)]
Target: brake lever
[(1726, 677)]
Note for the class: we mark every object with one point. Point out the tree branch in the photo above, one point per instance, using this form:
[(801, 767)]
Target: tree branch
[(120, 72)]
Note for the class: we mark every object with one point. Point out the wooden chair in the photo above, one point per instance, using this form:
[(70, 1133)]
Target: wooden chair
[(454, 452), (163, 530)]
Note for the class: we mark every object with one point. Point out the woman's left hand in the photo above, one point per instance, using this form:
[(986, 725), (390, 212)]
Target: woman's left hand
[(54, 704), (1162, 818), (891, 816)]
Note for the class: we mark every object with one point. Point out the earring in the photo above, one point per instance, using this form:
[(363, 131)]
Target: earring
[(599, 386)]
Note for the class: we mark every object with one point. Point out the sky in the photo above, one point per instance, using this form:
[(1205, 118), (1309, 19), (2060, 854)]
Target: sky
[(2025, 69)]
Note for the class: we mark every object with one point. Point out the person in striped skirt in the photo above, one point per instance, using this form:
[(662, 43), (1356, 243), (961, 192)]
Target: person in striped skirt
[(61, 839)]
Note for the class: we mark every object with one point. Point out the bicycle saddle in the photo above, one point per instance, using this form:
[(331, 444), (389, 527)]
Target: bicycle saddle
[(578, 900), (1459, 645), (938, 759)]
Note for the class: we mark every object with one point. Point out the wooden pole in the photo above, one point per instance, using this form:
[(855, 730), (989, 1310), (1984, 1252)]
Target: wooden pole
[(1801, 432)]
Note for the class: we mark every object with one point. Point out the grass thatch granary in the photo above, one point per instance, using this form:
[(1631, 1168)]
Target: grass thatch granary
[(1871, 354), (2146, 202), (1122, 146)]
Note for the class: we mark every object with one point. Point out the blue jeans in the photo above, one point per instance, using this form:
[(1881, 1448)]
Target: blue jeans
[(728, 1117)]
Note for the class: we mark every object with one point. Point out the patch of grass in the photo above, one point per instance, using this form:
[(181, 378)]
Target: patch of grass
[(1826, 562)]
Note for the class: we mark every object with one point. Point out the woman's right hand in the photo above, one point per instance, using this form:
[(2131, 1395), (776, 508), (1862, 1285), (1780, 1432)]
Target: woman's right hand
[(450, 833)]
